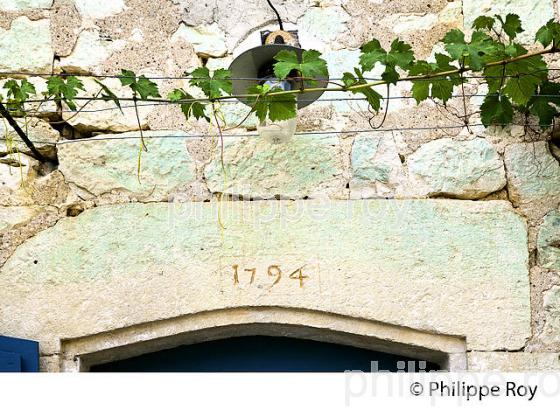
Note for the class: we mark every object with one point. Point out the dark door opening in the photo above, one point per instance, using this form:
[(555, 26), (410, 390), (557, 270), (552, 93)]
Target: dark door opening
[(262, 354)]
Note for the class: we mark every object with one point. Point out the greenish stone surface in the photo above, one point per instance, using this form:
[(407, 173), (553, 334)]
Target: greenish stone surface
[(533, 177), (322, 24), (376, 166), (551, 305), (460, 169), (109, 162), (533, 13), (26, 45), (423, 264), (548, 241), (306, 165), (19, 5)]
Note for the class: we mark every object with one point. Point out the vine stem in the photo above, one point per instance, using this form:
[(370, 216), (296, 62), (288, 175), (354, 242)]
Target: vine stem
[(219, 128), (466, 119), (13, 123), (410, 78), (143, 146), (385, 113), (77, 112), (357, 87)]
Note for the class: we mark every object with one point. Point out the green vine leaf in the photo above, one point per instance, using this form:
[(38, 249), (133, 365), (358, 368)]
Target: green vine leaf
[(549, 33), (399, 55), (64, 89), (511, 25), (372, 96), (108, 95), (475, 53), (18, 93), (311, 65), (439, 87), (213, 86), (517, 79), (523, 85), (189, 108), (496, 110), (275, 107), (546, 103), (141, 86), (483, 23)]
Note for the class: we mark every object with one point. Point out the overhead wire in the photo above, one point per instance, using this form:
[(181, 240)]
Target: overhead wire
[(190, 77), (164, 103), (128, 136)]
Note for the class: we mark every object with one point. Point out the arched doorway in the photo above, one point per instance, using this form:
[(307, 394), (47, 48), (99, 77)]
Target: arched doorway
[(265, 354), (299, 328)]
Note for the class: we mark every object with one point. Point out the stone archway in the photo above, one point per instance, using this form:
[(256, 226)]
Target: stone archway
[(449, 352)]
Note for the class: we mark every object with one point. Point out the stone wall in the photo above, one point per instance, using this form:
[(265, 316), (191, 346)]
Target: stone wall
[(449, 232)]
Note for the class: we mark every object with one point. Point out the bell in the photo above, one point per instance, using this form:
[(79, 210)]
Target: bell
[(256, 66)]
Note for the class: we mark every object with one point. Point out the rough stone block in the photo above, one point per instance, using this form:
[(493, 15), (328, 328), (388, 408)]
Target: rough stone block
[(377, 170), (319, 27), (99, 9), (306, 166), (533, 177), (104, 115), (21, 5), (90, 51), (533, 13), (207, 40), (108, 163), (551, 306), (548, 241), (460, 169), (26, 46)]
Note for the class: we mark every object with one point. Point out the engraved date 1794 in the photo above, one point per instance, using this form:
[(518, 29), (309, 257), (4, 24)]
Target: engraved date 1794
[(274, 272)]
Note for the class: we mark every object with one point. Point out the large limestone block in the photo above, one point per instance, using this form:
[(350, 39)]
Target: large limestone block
[(108, 163), (21, 5), (533, 13), (306, 166), (548, 241), (99, 9), (104, 115), (26, 46), (207, 40), (377, 170), (238, 18), (460, 169), (90, 51), (513, 362), (405, 23), (319, 27), (440, 266), (533, 177)]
